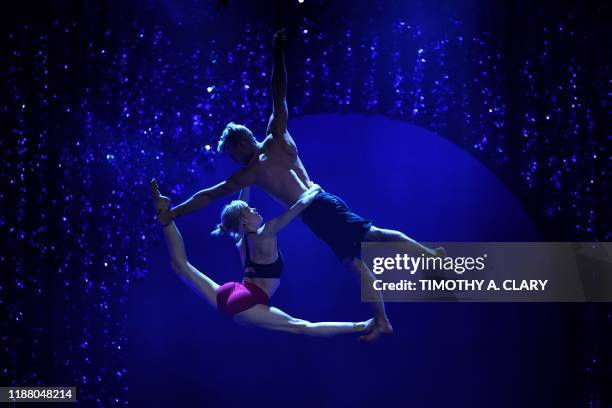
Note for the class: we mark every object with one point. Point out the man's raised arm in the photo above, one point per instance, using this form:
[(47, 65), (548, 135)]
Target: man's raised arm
[(278, 120), (241, 179)]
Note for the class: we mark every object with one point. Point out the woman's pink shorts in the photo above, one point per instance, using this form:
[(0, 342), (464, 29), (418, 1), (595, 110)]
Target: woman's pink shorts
[(236, 297)]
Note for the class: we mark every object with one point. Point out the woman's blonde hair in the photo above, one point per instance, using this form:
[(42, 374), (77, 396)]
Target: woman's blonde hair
[(230, 219)]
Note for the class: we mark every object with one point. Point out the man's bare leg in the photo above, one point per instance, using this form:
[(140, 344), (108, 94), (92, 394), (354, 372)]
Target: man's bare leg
[(381, 325), (386, 235)]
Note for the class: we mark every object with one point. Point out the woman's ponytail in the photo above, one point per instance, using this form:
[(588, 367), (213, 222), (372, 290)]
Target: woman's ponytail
[(220, 230), (230, 219)]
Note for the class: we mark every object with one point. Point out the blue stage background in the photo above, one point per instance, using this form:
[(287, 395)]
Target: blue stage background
[(400, 176), (471, 121)]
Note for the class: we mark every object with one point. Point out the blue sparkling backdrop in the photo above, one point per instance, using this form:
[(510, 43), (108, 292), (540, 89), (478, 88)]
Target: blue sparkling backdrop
[(97, 99)]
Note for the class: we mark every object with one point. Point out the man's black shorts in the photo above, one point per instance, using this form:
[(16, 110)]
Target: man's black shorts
[(333, 222)]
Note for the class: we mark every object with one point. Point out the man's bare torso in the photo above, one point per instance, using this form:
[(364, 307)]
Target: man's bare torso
[(272, 170)]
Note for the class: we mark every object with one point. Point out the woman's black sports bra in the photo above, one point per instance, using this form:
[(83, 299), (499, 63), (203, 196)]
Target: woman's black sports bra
[(271, 270)]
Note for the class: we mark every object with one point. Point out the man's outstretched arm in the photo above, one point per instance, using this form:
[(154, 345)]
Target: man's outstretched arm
[(241, 179), (278, 121)]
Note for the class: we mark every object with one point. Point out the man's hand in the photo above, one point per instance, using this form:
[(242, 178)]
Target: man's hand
[(277, 125), (278, 41), (161, 203)]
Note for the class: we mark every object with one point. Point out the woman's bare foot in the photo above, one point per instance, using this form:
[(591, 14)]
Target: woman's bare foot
[(364, 326), (380, 327), (161, 203)]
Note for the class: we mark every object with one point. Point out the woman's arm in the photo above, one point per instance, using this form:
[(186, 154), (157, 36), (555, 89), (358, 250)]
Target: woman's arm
[(245, 194), (273, 226)]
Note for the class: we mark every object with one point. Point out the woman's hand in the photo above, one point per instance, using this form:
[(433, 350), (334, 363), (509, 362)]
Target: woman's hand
[(314, 187), (272, 227), (309, 195)]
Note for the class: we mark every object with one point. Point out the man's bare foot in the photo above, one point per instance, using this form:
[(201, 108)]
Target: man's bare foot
[(384, 326), (381, 327), (440, 252), (436, 274)]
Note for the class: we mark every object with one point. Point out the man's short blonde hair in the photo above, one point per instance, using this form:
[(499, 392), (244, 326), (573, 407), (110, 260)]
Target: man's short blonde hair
[(232, 134)]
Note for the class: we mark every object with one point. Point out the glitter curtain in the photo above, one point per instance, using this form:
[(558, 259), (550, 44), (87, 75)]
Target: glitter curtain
[(98, 99)]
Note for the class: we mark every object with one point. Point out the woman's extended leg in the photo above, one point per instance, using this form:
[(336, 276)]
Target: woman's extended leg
[(201, 283), (271, 318)]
